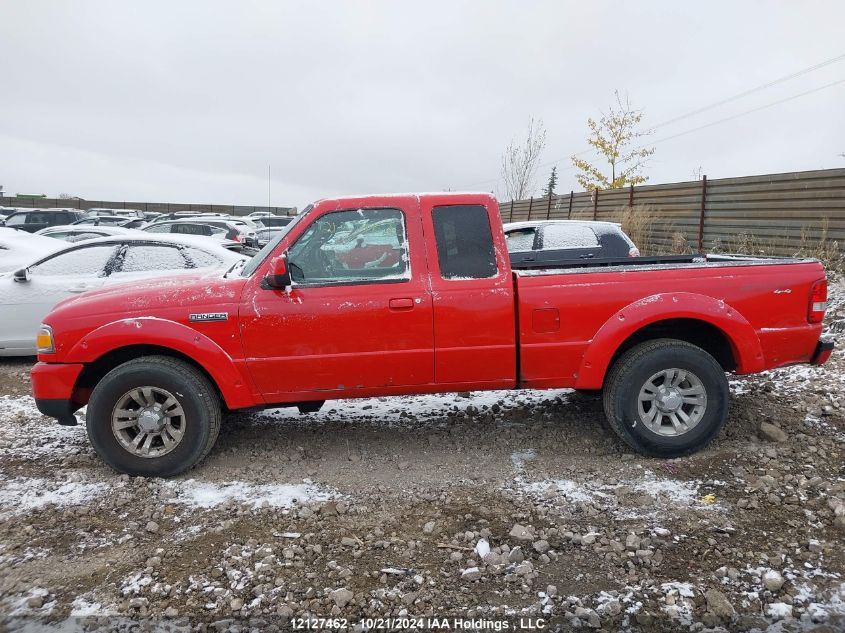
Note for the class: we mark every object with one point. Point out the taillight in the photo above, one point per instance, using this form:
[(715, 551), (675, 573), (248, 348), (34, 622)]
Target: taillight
[(818, 302), (633, 252)]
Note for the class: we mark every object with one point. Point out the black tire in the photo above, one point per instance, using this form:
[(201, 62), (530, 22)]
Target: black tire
[(194, 392), (631, 371)]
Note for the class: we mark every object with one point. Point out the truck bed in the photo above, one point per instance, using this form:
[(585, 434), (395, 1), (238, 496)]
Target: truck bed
[(656, 262)]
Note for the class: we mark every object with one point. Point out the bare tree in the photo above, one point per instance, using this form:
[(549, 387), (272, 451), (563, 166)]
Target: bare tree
[(611, 136), (520, 161)]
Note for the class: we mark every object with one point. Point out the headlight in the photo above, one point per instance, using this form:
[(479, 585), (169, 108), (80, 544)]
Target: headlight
[(44, 340)]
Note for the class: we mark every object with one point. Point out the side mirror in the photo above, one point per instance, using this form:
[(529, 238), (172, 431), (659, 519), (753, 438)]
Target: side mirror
[(279, 276), (21, 275)]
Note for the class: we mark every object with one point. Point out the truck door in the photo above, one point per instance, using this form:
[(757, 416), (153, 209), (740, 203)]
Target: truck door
[(472, 290), (359, 314)]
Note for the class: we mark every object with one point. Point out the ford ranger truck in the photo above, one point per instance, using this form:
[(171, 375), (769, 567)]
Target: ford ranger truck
[(412, 294)]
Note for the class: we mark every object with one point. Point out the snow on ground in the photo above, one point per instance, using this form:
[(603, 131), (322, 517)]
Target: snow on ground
[(19, 495), (394, 410), (206, 494), (653, 495), (29, 435)]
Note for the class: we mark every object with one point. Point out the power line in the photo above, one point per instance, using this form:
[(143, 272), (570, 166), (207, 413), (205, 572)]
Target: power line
[(745, 93), (741, 114), (715, 104)]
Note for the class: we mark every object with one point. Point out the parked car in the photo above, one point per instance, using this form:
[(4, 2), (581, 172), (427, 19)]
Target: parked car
[(81, 232), (218, 227), (270, 226), (551, 241), (18, 248), (257, 215), (196, 229), (436, 307), (111, 220), (32, 220), (5, 211), (103, 212), (30, 292)]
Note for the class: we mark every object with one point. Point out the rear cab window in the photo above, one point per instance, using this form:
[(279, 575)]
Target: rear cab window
[(464, 242)]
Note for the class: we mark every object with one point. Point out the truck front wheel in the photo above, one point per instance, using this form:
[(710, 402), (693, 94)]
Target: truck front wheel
[(154, 416), (666, 398)]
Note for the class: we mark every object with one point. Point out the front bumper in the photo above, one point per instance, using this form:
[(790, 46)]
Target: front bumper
[(823, 351), (53, 389)]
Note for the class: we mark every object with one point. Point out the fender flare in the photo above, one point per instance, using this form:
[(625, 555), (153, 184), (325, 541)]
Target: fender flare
[(741, 335), (235, 386)]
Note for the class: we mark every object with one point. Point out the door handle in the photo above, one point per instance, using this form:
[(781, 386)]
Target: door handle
[(401, 304), (79, 288)]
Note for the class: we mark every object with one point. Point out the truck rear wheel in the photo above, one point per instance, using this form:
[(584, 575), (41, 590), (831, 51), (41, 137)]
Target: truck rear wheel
[(666, 398), (154, 416)]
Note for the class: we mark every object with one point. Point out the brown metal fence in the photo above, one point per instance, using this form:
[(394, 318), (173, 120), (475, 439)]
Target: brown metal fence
[(160, 207), (778, 212)]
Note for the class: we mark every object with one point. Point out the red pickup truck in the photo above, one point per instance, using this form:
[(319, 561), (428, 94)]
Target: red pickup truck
[(410, 294)]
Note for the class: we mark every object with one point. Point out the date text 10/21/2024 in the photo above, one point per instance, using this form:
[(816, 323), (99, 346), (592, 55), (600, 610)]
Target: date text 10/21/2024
[(420, 624)]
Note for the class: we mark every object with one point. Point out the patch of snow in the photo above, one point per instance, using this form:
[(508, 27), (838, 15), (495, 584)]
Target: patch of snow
[(666, 493), (22, 494), (205, 494), (393, 410), (82, 607)]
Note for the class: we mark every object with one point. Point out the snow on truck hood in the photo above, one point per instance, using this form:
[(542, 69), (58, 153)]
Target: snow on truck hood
[(143, 297)]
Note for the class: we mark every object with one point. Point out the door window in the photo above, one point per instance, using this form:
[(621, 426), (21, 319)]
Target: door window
[(464, 242), (81, 261), (520, 240), (16, 220), (158, 228), (344, 247)]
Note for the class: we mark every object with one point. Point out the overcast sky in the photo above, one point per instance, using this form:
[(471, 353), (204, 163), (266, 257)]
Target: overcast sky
[(189, 101)]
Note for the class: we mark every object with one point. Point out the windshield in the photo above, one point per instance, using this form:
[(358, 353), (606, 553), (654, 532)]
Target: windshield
[(261, 255)]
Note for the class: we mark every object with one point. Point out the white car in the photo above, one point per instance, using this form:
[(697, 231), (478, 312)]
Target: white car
[(18, 248), (29, 293), (82, 232)]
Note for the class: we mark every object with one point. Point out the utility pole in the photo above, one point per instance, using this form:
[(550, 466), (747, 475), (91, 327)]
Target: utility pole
[(268, 187)]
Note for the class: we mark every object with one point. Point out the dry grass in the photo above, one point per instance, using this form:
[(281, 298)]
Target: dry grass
[(647, 227), (639, 223)]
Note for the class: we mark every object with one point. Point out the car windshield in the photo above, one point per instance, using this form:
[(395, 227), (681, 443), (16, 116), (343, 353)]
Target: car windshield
[(261, 255)]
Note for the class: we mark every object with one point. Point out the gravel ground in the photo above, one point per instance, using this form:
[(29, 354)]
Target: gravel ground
[(486, 506)]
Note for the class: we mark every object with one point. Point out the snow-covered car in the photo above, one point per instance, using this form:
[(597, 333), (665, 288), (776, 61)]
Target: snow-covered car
[(18, 248), (112, 220), (222, 228), (32, 220), (81, 232), (29, 293), (269, 226), (103, 212), (551, 241)]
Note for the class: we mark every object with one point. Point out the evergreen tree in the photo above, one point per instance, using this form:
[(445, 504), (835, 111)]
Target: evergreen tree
[(549, 191)]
